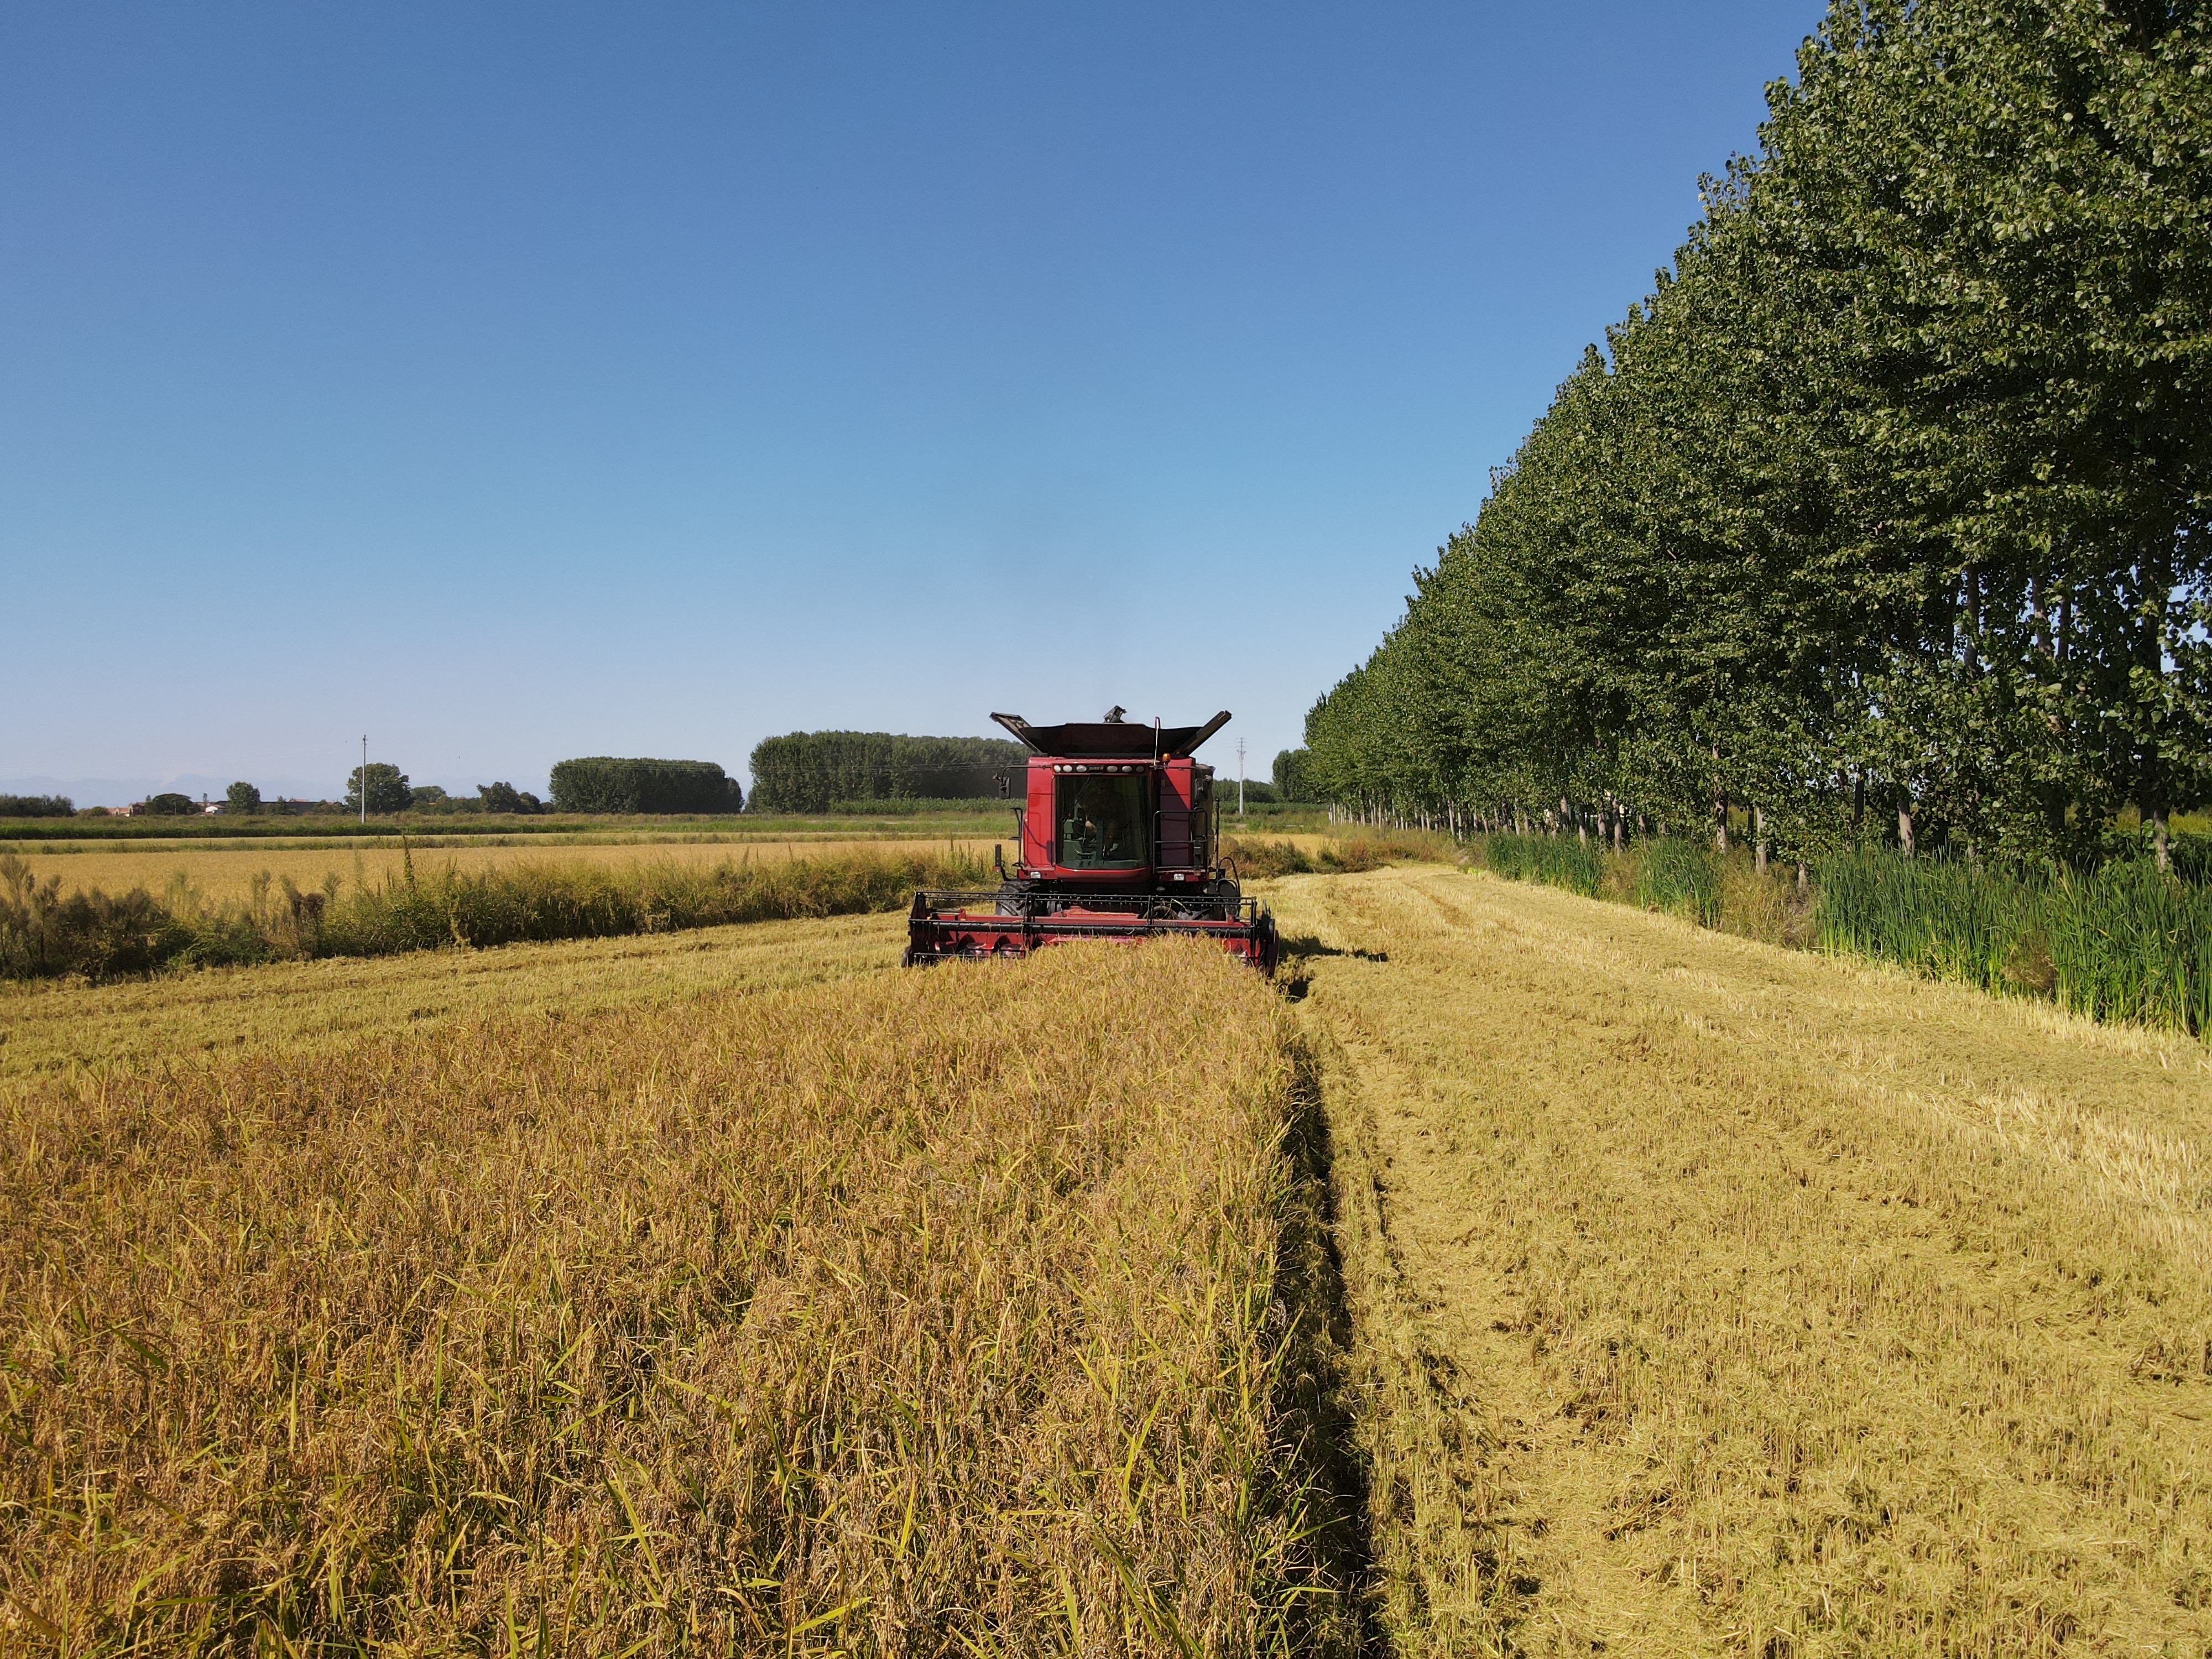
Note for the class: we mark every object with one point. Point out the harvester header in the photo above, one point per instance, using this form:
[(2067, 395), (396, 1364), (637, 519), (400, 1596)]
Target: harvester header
[(1115, 837)]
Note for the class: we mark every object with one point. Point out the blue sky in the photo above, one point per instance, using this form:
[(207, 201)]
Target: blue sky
[(510, 383)]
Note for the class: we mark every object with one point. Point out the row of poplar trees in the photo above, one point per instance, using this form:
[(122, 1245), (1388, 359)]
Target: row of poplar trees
[(1885, 515)]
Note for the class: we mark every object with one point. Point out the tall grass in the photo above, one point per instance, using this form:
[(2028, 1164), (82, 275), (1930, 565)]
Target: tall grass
[(964, 1313), (1553, 859), (1679, 876), (45, 934)]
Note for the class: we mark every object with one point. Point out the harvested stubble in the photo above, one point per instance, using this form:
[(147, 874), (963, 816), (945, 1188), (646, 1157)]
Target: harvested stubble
[(1717, 1297), (2122, 942), (921, 1314)]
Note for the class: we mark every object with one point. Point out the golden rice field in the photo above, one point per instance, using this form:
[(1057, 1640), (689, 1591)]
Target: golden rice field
[(220, 872), (1714, 1297), (733, 1290), (916, 1314), (325, 1003)]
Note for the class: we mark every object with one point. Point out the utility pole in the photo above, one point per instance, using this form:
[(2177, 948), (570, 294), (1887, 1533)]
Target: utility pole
[(1240, 777), (364, 778)]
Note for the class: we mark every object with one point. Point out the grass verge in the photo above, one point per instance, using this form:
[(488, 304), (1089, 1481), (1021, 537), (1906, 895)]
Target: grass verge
[(974, 1311)]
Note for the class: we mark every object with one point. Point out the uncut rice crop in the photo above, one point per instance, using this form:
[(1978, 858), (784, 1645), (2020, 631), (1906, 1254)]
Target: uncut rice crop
[(956, 1312), (225, 872), (51, 1025), (45, 931)]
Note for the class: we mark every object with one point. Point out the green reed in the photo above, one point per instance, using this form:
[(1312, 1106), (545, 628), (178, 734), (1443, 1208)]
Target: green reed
[(1555, 860), (2124, 942)]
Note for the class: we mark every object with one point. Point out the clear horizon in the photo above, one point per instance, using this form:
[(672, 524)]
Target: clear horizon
[(512, 387)]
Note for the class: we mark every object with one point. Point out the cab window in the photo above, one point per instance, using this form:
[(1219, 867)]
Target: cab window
[(1104, 824)]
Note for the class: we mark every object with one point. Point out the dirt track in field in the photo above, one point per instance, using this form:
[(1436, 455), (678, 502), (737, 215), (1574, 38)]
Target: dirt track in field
[(1714, 1297)]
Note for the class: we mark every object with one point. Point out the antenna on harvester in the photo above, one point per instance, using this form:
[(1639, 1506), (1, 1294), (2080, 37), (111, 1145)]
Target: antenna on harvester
[(1240, 777), (364, 777)]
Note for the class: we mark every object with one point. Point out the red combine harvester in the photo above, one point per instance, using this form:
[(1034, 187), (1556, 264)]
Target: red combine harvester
[(1114, 840)]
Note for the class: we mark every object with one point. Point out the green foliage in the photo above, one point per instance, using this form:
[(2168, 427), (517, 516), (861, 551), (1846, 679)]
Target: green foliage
[(242, 798), (505, 797), (36, 806), (388, 791), (806, 771), (1292, 776), (601, 783), (1888, 513), (171, 805), (432, 801)]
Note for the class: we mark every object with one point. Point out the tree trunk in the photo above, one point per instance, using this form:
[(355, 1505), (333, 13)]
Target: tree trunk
[(2158, 836), (1758, 841), (1720, 805), (1904, 825)]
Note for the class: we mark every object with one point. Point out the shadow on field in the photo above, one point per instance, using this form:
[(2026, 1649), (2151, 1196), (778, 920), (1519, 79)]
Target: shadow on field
[(1298, 949), (1314, 1389)]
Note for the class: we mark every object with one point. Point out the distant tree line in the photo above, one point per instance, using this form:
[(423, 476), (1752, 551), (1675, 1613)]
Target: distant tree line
[(808, 771), (1888, 512), (603, 784), (390, 792), (36, 806)]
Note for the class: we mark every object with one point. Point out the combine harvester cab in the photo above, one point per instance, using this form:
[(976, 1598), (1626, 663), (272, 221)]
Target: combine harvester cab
[(1115, 839)]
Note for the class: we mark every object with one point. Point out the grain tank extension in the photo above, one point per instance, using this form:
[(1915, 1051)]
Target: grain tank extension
[(1114, 838)]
